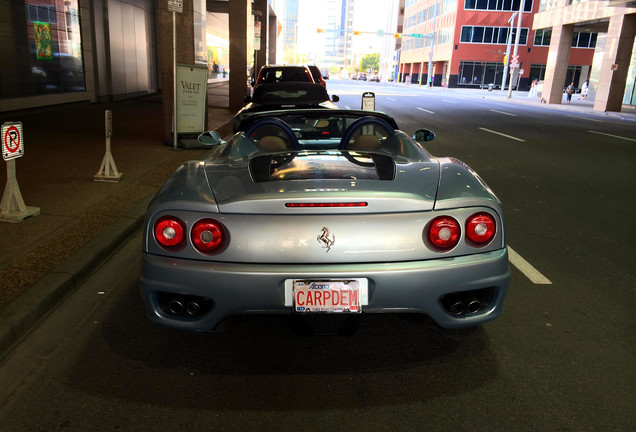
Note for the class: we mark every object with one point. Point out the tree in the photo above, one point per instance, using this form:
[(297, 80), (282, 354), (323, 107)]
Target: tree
[(370, 62)]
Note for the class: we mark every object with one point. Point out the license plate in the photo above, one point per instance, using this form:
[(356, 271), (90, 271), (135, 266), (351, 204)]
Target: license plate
[(332, 296)]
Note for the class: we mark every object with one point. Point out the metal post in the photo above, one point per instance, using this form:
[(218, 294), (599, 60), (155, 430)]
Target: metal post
[(514, 55), (430, 55), (507, 62), (174, 81)]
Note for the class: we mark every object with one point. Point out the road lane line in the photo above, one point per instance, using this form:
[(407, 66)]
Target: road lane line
[(613, 136), (391, 99), (502, 134), (503, 112), (425, 110), (585, 118), (526, 268), (448, 101)]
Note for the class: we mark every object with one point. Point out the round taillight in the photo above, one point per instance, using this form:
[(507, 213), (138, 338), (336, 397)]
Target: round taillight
[(480, 228), (169, 232), (444, 232), (207, 235)]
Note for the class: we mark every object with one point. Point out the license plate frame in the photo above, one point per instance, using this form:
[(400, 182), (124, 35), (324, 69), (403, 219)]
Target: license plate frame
[(331, 296)]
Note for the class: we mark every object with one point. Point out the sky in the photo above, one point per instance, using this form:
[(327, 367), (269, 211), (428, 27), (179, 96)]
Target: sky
[(368, 17)]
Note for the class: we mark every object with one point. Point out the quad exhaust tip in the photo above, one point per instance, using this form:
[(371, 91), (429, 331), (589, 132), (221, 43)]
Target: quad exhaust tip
[(184, 306), (467, 302)]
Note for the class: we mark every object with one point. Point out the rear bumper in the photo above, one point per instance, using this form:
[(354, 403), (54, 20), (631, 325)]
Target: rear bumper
[(392, 287)]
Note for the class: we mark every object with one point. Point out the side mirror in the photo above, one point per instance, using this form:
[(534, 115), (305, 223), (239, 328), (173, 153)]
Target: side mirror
[(423, 135), (335, 98), (210, 138)]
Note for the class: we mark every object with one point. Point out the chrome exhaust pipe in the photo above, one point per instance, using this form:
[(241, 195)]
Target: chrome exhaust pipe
[(456, 306), (175, 307), (473, 305), (193, 308)]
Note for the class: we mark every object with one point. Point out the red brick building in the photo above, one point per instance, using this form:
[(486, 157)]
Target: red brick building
[(471, 39)]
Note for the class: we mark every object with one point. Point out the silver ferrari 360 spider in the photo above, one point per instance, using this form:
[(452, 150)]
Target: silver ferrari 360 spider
[(323, 213)]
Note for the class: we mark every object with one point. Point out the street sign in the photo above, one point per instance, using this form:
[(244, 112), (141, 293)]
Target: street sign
[(12, 142), (368, 101), (175, 6), (109, 123)]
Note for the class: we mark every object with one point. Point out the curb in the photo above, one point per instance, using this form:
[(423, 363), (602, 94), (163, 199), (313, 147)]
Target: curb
[(20, 316), (25, 312)]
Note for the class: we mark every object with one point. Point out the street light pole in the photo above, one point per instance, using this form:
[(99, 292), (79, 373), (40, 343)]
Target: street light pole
[(507, 61), (430, 55), (514, 71)]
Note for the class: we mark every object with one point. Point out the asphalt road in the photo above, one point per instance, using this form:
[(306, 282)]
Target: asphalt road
[(561, 358)]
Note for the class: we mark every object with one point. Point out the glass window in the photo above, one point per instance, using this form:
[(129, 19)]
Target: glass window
[(478, 34), (488, 34), (466, 72), (48, 57), (478, 73), (503, 35), (467, 34), (593, 40), (584, 40), (537, 71)]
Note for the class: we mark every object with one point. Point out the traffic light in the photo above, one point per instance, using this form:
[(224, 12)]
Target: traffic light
[(397, 35), (356, 33), (320, 30), (505, 59)]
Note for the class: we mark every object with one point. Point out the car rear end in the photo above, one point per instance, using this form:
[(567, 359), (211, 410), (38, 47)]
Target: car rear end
[(323, 235)]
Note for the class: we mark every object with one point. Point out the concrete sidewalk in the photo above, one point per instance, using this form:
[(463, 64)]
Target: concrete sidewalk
[(81, 221)]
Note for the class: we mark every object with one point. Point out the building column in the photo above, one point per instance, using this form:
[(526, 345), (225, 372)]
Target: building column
[(615, 64), (238, 14), (272, 36), (557, 64)]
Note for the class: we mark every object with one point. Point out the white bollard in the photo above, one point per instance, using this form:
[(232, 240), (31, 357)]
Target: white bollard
[(108, 170)]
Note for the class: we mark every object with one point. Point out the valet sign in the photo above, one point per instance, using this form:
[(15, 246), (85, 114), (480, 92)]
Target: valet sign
[(191, 90), (12, 142)]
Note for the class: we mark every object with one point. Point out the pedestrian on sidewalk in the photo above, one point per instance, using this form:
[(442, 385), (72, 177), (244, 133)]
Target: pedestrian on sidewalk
[(584, 90), (534, 89), (569, 92)]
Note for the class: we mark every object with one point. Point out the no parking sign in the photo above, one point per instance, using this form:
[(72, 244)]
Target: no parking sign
[(12, 142)]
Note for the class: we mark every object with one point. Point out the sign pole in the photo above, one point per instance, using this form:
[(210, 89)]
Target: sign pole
[(174, 81), (12, 205), (174, 6), (515, 56), (108, 170)]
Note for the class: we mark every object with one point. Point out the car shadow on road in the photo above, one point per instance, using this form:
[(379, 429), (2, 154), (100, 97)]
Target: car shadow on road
[(260, 362)]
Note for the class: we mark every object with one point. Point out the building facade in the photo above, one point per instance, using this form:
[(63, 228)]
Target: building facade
[(471, 39), (613, 70)]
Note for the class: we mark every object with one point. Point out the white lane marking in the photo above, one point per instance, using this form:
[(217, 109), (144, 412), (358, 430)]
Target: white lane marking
[(613, 136), (391, 99), (503, 112), (502, 134), (448, 101), (585, 118), (347, 107), (425, 110), (526, 268)]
